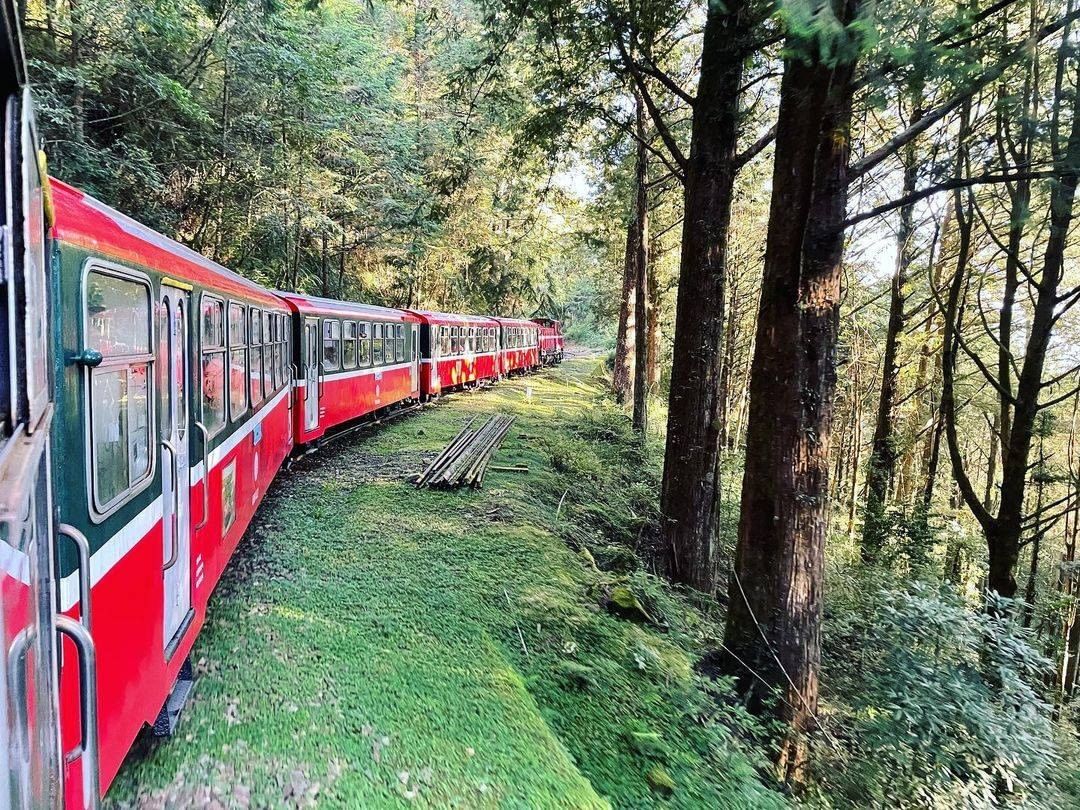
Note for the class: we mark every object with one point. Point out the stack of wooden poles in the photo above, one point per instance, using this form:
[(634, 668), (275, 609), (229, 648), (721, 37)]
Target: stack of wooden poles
[(465, 460)]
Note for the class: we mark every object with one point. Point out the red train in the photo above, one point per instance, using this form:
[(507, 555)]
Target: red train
[(148, 397)]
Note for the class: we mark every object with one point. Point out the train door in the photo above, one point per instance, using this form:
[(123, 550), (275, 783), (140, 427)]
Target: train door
[(413, 376), (175, 461), (311, 373)]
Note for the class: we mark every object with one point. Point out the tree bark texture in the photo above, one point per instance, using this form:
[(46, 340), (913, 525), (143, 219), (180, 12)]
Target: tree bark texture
[(623, 374), (690, 495), (641, 280), (774, 615)]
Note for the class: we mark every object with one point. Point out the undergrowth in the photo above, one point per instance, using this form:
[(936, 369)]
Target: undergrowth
[(377, 646)]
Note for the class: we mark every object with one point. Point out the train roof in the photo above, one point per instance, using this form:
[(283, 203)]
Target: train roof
[(453, 319), (314, 305), (516, 322), (89, 223)]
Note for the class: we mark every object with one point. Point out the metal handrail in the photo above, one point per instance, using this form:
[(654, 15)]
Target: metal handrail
[(205, 475), (87, 749), (16, 666), (174, 551), (82, 545)]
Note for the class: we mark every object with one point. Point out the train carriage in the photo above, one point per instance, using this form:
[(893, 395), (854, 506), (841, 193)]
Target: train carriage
[(350, 361), (551, 341), (172, 386), (519, 346), (456, 350), (30, 754)]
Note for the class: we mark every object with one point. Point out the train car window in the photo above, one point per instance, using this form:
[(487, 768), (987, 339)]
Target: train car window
[(377, 344), (399, 339), (269, 384), (363, 344), (238, 361), (331, 345), (256, 359), (348, 345), (118, 324), (213, 363), (285, 356), (273, 361), (444, 341)]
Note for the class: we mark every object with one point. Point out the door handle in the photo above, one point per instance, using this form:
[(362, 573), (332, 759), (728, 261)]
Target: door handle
[(16, 665), (174, 551), (87, 749), (292, 382), (205, 475), (82, 545)]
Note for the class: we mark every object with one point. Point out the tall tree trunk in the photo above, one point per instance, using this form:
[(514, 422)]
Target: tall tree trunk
[(730, 336), (690, 496), (1067, 578), (881, 468), (1004, 540), (623, 375), (991, 462), (652, 321), (641, 283), (774, 615)]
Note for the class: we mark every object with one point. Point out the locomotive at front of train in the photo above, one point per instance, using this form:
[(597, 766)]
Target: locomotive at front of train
[(173, 416)]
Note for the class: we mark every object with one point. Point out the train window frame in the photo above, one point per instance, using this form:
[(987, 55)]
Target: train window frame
[(99, 512), (363, 344), (256, 394), (377, 354), (220, 349), (331, 340), (399, 342), (286, 359), (348, 341), (272, 326), (234, 347), (269, 384)]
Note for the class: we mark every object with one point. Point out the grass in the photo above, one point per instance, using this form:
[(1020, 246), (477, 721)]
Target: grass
[(377, 646)]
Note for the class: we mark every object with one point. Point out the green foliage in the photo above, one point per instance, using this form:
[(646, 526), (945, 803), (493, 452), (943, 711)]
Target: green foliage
[(311, 146), (944, 706)]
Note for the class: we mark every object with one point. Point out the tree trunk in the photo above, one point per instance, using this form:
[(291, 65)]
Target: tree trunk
[(991, 462), (884, 453), (1026, 408), (690, 496), (774, 615), (641, 283), (623, 375), (652, 321), (730, 334)]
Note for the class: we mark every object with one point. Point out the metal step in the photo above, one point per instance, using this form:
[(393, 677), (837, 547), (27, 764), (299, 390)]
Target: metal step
[(169, 716)]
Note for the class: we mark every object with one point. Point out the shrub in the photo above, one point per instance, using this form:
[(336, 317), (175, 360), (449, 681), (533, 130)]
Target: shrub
[(945, 712)]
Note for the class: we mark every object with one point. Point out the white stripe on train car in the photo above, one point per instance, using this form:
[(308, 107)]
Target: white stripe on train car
[(128, 536), (364, 372), (14, 563), (103, 560)]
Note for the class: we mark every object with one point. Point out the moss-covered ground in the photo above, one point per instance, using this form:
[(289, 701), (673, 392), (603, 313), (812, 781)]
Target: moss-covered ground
[(377, 646)]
